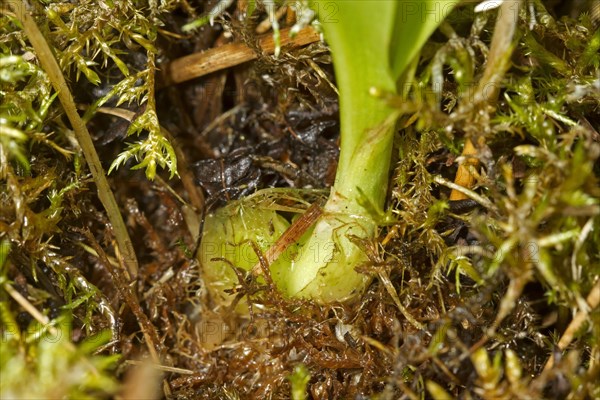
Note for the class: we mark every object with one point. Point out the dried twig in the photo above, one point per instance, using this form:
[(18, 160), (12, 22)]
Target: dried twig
[(290, 236), (105, 194), (229, 55)]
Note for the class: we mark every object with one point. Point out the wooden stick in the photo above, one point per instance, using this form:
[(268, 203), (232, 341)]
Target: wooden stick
[(290, 236), (229, 55)]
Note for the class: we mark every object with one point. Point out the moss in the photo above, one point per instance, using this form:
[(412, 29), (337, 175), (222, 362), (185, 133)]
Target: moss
[(493, 282)]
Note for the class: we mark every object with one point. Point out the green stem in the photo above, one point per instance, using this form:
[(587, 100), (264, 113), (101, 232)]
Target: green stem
[(324, 269), (49, 64), (365, 145), (372, 43)]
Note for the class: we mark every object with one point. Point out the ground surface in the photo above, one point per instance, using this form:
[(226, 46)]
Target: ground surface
[(489, 284)]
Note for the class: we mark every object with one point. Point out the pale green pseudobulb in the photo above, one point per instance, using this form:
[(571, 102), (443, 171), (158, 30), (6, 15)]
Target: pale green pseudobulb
[(228, 234)]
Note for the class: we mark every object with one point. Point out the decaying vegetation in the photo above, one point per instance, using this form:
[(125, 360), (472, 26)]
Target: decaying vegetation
[(493, 296)]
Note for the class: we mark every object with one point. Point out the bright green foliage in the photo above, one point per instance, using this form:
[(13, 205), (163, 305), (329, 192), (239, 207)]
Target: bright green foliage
[(530, 229), (43, 363), (299, 380), (553, 239), (153, 151), (88, 39), (22, 111)]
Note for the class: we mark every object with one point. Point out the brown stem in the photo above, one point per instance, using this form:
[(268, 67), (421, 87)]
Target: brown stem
[(226, 56), (290, 236)]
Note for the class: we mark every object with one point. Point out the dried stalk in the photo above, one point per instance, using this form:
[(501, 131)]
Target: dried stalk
[(51, 67)]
